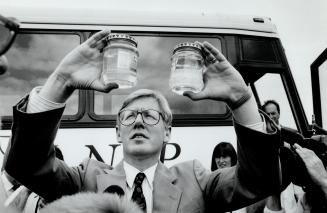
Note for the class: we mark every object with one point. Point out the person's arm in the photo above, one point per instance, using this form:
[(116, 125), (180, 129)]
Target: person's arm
[(31, 157), (314, 166), (80, 69), (256, 175), (223, 82)]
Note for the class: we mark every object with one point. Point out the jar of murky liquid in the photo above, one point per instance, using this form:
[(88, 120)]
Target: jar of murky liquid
[(187, 68), (120, 60)]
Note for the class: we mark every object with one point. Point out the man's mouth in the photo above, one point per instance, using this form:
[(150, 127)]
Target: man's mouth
[(138, 135)]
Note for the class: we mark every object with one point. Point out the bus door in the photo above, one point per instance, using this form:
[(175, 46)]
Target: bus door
[(319, 89)]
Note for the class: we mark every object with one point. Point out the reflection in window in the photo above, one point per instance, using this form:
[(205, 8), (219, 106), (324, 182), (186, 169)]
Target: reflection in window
[(32, 58), (269, 87), (153, 72)]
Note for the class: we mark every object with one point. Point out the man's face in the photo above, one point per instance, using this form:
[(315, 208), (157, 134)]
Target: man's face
[(140, 139), (272, 112)]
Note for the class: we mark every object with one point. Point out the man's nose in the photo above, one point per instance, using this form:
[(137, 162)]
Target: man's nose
[(138, 119)]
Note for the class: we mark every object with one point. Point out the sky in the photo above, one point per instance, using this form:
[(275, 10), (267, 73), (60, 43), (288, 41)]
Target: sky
[(302, 25)]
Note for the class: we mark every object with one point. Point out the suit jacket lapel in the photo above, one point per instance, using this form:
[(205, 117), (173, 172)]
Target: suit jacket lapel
[(116, 176), (166, 196)]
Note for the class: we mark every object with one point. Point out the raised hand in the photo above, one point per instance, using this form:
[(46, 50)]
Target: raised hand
[(80, 69), (221, 80), (314, 166)]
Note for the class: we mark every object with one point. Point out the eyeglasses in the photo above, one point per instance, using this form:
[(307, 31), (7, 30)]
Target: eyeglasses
[(8, 31), (149, 116)]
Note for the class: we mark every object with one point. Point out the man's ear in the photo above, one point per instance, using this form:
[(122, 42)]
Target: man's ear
[(118, 134), (167, 134)]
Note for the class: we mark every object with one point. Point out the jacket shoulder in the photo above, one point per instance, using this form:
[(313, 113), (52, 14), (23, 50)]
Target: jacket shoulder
[(192, 169), (89, 169)]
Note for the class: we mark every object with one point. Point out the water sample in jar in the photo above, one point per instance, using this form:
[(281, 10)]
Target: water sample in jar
[(120, 61), (187, 68)]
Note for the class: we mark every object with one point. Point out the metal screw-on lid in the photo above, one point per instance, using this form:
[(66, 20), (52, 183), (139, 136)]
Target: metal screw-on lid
[(126, 37), (187, 45)]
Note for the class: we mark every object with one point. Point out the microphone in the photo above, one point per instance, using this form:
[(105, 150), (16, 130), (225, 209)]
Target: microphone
[(86, 202), (114, 189)]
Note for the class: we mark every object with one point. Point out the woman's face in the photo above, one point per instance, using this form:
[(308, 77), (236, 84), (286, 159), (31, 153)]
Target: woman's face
[(223, 162)]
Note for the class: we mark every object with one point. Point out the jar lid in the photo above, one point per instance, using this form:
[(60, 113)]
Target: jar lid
[(129, 38), (187, 44)]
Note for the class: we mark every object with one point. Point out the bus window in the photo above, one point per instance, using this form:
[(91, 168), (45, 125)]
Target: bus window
[(32, 58), (270, 86), (153, 72)]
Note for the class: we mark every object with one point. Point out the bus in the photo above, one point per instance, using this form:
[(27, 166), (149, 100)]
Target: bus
[(87, 129)]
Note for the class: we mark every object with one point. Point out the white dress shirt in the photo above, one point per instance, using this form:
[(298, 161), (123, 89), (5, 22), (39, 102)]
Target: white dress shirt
[(19, 196), (36, 103), (147, 184), (7, 185)]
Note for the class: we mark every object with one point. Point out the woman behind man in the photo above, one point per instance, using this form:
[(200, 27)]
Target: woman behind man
[(225, 156)]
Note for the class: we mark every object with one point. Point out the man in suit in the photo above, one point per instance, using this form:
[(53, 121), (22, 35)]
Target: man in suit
[(8, 29), (143, 126)]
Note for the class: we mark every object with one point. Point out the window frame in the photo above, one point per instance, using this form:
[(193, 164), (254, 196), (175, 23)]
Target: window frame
[(86, 118), (181, 120), (7, 120), (282, 68)]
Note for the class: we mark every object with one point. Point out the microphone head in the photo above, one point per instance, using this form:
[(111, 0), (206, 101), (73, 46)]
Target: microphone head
[(115, 189), (86, 202)]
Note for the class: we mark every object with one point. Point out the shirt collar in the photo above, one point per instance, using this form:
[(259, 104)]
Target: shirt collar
[(6, 183), (131, 173)]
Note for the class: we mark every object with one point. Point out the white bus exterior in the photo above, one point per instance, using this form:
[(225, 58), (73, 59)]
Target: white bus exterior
[(250, 43)]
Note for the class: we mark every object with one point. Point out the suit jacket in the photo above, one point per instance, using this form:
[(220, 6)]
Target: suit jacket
[(187, 187)]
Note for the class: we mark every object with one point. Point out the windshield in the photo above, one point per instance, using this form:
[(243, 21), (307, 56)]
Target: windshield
[(270, 87)]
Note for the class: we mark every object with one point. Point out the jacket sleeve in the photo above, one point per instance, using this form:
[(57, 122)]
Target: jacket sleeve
[(255, 176), (30, 158)]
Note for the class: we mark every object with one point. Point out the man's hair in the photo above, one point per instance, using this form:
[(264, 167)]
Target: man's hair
[(147, 93), (223, 149), (92, 202), (271, 102)]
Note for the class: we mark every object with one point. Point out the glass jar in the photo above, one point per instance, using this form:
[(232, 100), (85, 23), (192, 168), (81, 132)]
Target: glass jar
[(120, 60), (187, 68)]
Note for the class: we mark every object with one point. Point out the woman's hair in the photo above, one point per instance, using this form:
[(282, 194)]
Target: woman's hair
[(223, 149)]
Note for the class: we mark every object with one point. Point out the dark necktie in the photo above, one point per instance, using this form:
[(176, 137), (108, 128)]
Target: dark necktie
[(138, 195)]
